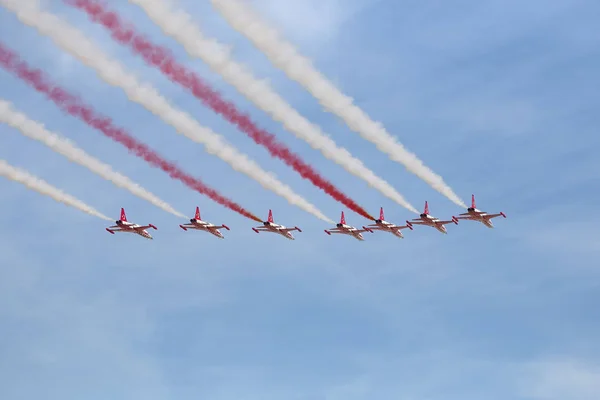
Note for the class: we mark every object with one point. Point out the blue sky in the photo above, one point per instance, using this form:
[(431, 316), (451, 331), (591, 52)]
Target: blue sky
[(498, 97)]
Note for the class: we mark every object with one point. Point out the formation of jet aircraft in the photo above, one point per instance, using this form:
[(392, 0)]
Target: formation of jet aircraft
[(342, 228)]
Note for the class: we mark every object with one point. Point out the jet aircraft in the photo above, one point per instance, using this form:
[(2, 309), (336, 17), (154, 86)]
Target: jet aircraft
[(429, 220), (198, 224), (270, 226), (382, 225), (128, 227), (344, 229), (473, 214)]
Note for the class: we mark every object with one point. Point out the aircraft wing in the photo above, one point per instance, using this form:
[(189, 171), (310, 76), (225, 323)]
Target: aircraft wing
[(445, 222), (143, 227), (494, 215), (419, 222), (464, 216), (261, 228), (474, 213), (288, 229)]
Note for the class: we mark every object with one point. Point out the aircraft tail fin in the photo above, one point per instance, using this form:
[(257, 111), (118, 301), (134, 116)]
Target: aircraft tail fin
[(270, 219), (343, 219), (123, 216), (197, 216), (381, 216), (426, 211), (473, 201)]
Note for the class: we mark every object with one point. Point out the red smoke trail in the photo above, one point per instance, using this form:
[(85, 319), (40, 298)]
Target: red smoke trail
[(69, 103), (161, 58)]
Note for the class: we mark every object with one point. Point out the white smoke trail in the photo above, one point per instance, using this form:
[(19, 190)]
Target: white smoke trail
[(180, 26), (298, 68), (34, 183), (75, 43), (37, 131)]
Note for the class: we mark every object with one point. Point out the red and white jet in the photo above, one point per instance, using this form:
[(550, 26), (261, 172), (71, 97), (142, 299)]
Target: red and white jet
[(426, 219), (344, 229), (382, 225), (270, 226), (473, 214), (129, 227), (198, 224)]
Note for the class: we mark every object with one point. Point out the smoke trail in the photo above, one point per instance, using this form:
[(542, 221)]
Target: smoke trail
[(180, 27), (298, 68), (37, 131), (160, 57), (76, 44), (77, 108), (42, 187)]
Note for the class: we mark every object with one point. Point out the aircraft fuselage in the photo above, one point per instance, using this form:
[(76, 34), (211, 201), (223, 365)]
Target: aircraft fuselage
[(348, 230), (388, 227), (433, 222), (203, 226), (129, 227), (276, 228)]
